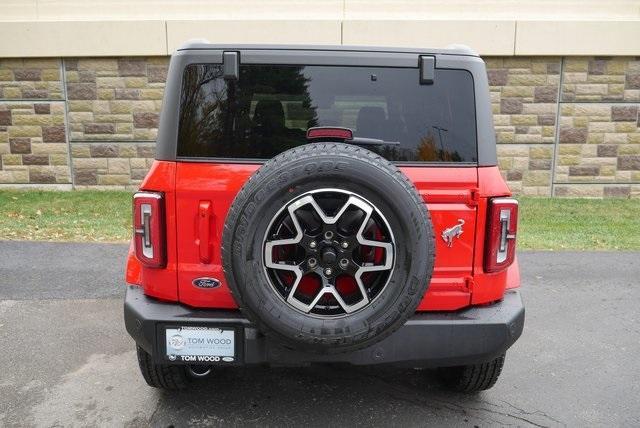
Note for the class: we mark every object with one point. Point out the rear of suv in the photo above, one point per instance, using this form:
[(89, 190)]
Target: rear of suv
[(324, 204)]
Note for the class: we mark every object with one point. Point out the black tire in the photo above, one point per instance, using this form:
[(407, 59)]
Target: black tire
[(335, 166), (472, 378), (165, 376)]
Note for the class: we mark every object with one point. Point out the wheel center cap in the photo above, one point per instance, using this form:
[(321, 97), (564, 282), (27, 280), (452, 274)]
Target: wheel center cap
[(329, 256)]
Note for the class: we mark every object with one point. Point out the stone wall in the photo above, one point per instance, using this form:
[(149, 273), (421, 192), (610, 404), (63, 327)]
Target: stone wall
[(565, 126), (79, 122), (568, 126), (524, 95)]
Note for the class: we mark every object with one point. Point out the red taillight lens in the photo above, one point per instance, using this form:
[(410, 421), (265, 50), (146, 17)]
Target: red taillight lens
[(502, 226), (149, 228)]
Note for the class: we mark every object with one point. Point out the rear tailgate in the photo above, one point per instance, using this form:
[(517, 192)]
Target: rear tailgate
[(205, 191)]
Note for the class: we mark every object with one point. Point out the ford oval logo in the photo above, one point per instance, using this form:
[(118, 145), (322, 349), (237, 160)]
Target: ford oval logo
[(206, 282)]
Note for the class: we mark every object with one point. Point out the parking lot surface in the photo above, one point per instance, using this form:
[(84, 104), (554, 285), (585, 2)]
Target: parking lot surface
[(67, 360)]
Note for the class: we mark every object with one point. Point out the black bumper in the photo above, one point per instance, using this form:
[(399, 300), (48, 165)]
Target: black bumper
[(477, 334)]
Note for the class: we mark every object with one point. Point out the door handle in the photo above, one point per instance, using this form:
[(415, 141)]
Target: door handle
[(204, 231)]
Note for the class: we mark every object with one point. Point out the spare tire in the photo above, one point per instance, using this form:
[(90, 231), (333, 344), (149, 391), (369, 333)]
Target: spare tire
[(328, 247)]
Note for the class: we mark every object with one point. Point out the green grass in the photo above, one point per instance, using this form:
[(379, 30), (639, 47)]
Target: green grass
[(81, 216), (105, 216), (579, 224)]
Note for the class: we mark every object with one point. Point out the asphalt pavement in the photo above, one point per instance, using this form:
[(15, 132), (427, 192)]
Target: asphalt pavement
[(66, 359)]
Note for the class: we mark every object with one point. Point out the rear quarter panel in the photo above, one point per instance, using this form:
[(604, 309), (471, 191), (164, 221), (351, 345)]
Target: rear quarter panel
[(161, 283), (489, 287)]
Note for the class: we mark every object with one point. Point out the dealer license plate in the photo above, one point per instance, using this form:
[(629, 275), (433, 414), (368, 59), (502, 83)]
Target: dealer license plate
[(197, 344)]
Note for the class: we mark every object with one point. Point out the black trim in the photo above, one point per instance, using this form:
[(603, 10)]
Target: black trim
[(244, 161), (429, 339)]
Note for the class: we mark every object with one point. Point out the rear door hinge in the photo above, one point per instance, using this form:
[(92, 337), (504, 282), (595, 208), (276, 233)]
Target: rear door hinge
[(468, 282), (474, 197)]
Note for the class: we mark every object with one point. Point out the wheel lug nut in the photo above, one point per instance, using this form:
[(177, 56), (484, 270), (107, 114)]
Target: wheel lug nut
[(313, 244), (328, 271), (344, 263), (312, 262), (344, 244)]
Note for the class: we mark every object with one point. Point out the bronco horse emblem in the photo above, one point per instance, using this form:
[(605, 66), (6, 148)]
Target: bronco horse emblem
[(452, 232)]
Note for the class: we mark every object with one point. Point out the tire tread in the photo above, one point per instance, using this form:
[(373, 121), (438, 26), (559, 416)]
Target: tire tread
[(165, 376), (474, 377)]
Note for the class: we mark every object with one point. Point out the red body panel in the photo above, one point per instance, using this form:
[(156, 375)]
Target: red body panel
[(449, 194), (133, 270), (217, 185), (198, 196)]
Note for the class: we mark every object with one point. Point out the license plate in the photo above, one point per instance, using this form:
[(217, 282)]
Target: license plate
[(197, 344)]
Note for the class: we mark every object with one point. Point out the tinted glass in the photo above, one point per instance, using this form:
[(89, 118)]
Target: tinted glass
[(270, 107)]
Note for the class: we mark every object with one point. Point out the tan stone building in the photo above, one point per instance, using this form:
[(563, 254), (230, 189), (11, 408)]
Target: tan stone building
[(81, 81)]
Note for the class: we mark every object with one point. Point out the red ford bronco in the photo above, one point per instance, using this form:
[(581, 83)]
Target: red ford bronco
[(324, 204)]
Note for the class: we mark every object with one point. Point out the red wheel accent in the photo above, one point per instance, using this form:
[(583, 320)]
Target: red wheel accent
[(346, 285), (309, 285)]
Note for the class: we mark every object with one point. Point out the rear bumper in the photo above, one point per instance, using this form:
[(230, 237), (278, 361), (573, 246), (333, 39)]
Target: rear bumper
[(473, 335)]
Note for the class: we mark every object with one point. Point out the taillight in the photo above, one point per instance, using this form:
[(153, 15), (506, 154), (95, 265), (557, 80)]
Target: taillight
[(502, 226), (149, 228)]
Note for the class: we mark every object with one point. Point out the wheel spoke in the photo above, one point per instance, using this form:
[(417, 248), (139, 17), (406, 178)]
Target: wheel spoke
[(387, 246), (301, 305), (294, 287), (316, 299), (352, 200), (269, 245), (351, 308), (316, 248)]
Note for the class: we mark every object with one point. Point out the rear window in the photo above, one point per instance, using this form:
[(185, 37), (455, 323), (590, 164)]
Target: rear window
[(270, 107)]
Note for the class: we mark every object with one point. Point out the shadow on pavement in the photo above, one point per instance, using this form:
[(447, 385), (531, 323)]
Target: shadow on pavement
[(330, 396)]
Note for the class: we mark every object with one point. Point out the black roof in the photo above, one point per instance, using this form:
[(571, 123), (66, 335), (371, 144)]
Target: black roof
[(449, 50)]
